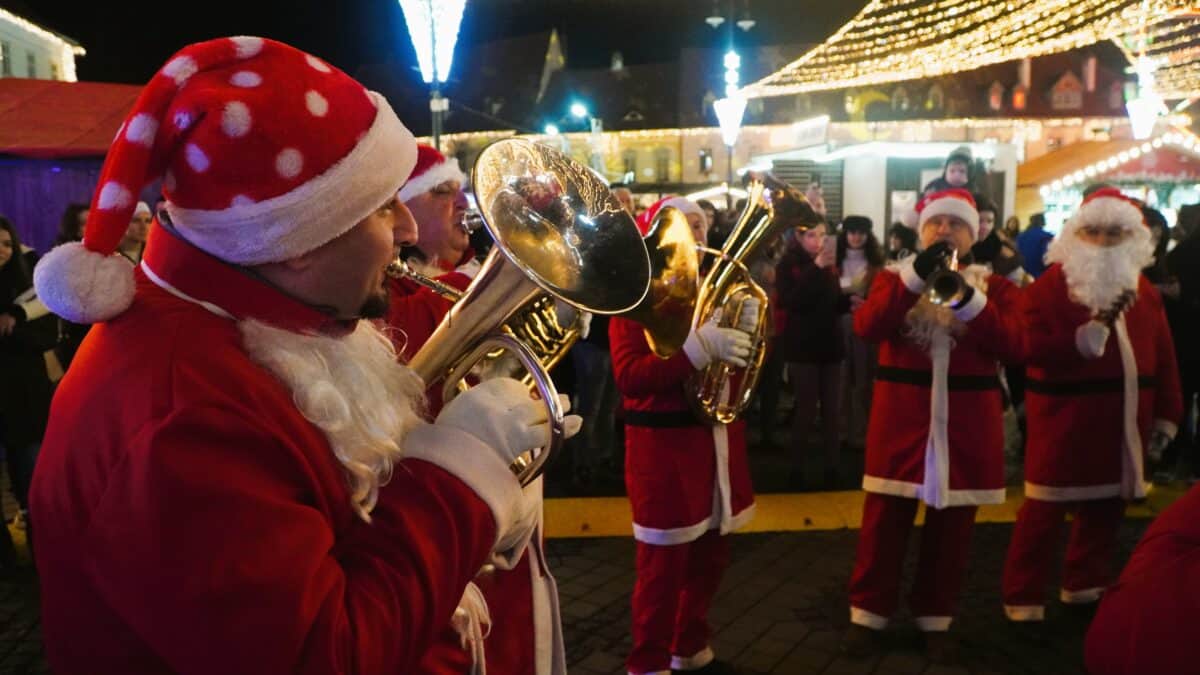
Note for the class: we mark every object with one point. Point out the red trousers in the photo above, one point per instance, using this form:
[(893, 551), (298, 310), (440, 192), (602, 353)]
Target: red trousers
[(1087, 569), (945, 549), (674, 590)]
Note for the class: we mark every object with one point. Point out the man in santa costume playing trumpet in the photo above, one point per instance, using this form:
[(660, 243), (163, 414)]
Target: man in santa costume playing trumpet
[(1102, 396), (235, 477), (935, 434), (520, 615)]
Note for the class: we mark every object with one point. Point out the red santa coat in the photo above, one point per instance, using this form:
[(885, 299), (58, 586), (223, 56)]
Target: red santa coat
[(1090, 419), (683, 478), (191, 520), (937, 435), (526, 631), (1146, 622)]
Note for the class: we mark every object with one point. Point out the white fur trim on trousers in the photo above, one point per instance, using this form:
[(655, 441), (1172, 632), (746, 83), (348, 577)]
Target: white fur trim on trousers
[(1133, 483)]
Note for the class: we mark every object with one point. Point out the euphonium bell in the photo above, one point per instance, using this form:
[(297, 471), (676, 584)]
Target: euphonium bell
[(720, 392), (666, 312), (559, 234)]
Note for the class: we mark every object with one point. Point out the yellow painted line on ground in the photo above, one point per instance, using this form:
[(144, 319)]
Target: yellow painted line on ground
[(795, 512)]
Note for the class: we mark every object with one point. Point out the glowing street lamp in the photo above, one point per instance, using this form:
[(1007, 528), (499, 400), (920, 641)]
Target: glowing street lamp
[(579, 110), (551, 129), (433, 29), (730, 111)]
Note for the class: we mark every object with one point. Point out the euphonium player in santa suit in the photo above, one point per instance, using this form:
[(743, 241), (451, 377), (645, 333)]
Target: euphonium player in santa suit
[(235, 478), (1102, 394), (688, 483), (520, 610), (935, 433)]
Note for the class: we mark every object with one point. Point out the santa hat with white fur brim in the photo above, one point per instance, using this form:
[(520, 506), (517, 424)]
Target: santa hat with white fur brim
[(954, 202), (1107, 206), (432, 169), (265, 153)]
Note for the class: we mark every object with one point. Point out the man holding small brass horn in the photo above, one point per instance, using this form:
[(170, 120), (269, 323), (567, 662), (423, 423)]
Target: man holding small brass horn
[(236, 478), (935, 433)]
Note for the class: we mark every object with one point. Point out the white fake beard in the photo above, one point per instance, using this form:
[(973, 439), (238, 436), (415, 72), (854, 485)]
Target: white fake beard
[(926, 320), (1097, 275), (354, 389)]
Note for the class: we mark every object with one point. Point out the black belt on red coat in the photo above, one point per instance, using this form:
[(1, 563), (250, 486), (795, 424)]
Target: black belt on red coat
[(924, 378), (1107, 385), (670, 419)]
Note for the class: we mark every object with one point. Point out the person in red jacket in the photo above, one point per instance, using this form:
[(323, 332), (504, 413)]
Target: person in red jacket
[(689, 486), (235, 477), (935, 433), (1146, 620), (520, 609), (1102, 395)]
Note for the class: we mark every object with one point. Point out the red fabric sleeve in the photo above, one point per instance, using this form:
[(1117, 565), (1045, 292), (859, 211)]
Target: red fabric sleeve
[(1050, 338), (999, 326), (1146, 622), (881, 316), (639, 373), (212, 543)]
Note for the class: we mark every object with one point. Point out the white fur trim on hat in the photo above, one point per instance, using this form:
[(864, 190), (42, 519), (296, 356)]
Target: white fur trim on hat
[(142, 207), (684, 204), (435, 176), (84, 286), (1106, 211), (318, 211), (951, 206)]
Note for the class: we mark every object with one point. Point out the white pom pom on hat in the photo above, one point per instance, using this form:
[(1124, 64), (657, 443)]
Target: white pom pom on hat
[(265, 153)]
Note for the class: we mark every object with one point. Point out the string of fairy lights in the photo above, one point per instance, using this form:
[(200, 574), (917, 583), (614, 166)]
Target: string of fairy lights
[(897, 40), (1172, 43)]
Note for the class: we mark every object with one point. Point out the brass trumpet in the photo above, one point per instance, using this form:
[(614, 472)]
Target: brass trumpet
[(946, 286), (559, 234), (772, 206)]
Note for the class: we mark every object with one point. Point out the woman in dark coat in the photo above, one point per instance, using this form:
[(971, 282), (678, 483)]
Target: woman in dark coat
[(808, 291), (25, 388)]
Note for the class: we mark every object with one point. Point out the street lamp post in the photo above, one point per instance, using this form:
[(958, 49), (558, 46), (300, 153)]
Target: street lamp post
[(433, 29), (595, 157), (732, 108), (729, 115)]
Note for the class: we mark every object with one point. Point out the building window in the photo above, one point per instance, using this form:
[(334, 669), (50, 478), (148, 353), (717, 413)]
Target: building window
[(706, 160), (5, 59), (629, 161), (662, 165), (30, 64)]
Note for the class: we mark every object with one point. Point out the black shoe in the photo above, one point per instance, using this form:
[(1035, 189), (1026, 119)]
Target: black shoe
[(941, 648), (860, 642), (714, 667)]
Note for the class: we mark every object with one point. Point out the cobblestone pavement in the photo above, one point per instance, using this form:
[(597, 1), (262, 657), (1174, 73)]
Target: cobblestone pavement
[(781, 609)]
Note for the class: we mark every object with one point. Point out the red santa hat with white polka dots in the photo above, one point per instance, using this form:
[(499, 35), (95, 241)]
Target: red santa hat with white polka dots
[(265, 153), (1107, 206), (432, 169), (953, 202)]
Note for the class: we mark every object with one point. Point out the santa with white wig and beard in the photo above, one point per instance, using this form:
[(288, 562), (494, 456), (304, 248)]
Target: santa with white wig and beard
[(935, 434), (1102, 397), (236, 477)]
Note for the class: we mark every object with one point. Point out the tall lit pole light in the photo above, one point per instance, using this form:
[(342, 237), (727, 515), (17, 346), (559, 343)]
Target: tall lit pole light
[(729, 115), (433, 29)]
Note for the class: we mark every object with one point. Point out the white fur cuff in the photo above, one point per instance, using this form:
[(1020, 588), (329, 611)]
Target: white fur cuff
[(973, 307), (473, 463), (908, 275), (435, 176), (1090, 339)]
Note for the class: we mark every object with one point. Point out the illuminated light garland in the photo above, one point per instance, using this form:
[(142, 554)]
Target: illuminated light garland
[(891, 41), (1173, 44), (69, 49), (1183, 140)]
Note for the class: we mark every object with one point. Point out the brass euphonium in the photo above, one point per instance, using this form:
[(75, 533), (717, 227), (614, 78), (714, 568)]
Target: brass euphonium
[(666, 312), (559, 234), (720, 392)]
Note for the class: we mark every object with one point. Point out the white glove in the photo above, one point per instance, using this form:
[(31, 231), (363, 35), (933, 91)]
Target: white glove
[(748, 321), (1090, 339), (710, 341), (502, 415)]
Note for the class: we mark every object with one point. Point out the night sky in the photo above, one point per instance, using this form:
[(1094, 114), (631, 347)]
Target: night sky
[(128, 40)]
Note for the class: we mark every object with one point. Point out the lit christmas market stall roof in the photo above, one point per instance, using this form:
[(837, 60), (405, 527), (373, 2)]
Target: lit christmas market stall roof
[(896, 40)]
